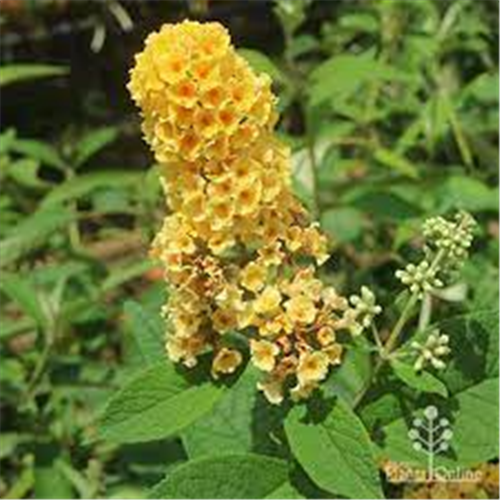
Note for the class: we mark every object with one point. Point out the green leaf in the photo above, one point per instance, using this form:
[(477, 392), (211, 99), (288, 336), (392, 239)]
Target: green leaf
[(21, 291), (25, 173), (230, 476), (241, 422), (396, 162), (40, 151), (474, 344), (341, 76), (13, 73), (385, 206), (262, 64), (157, 403), (334, 448), (423, 381), (351, 377), (467, 193), (84, 184), (32, 233), (124, 273), (343, 224), (50, 481), (92, 143), (473, 414), (147, 331)]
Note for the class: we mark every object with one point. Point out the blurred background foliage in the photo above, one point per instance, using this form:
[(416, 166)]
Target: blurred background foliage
[(390, 108)]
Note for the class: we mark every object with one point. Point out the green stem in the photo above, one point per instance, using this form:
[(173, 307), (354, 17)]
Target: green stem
[(393, 338)]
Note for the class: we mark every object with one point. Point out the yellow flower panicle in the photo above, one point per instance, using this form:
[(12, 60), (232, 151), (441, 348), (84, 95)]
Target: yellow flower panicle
[(200, 99), (238, 249)]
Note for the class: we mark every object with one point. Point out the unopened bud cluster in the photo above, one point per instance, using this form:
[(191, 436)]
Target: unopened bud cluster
[(432, 351), (447, 245), (239, 251)]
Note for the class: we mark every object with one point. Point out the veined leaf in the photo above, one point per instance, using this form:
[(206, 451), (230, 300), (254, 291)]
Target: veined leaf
[(334, 449), (473, 414), (230, 476), (241, 421), (157, 403)]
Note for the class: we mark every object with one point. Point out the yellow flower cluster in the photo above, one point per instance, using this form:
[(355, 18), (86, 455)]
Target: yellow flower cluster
[(238, 249), (200, 99)]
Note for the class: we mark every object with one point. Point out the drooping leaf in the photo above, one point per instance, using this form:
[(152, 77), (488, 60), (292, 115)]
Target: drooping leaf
[(41, 151), (92, 143), (229, 476), (334, 448), (13, 73), (157, 403)]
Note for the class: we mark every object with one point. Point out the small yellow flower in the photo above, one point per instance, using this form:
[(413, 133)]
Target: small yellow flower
[(313, 367), (271, 255), (302, 391), (224, 320), (301, 309), (334, 353), (253, 277), (226, 361), (268, 301), (272, 389), (264, 354), (325, 335)]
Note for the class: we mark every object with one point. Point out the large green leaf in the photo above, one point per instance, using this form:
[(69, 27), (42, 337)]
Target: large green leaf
[(229, 476), (474, 344), (241, 421), (157, 403), (334, 448), (474, 421), (13, 73)]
